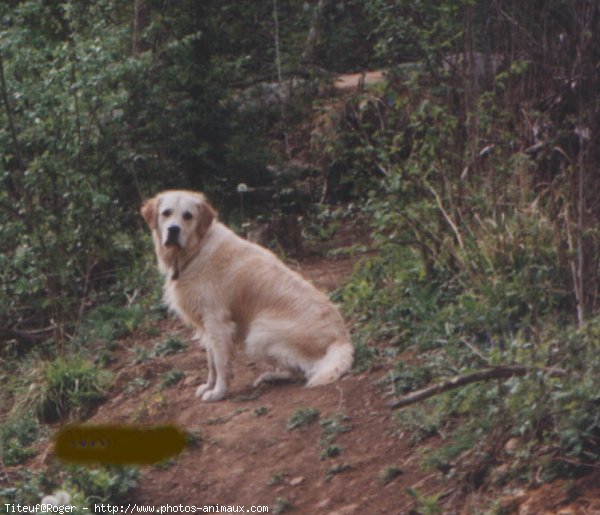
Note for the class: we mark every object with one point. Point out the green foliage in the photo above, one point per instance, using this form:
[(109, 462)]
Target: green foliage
[(85, 486), (70, 387), (16, 436), (28, 488), (99, 112), (427, 504), (277, 479), (406, 379), (333, 426), (137, 384), (339, 468), (302, 417), (171, 378), (108, 323), (104, 484), (283, 505), (260, 411), (488, 238), (331, 451), (92, 124), (169, 346), (363, 357), (389, 473)]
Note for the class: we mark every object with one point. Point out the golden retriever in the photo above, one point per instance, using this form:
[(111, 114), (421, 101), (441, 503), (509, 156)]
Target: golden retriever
[(231, 290)]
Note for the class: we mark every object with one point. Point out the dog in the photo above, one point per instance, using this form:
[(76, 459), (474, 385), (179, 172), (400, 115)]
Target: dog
[(232, 291)]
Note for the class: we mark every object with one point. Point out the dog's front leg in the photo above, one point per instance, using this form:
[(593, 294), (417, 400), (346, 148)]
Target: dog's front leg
[(218, 346), (211, 379)]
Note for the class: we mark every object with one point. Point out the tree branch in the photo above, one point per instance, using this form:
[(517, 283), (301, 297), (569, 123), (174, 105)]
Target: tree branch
[(499, 372), (13, 131)]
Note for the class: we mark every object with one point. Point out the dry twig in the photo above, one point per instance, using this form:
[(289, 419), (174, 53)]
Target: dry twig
[(499, 372)]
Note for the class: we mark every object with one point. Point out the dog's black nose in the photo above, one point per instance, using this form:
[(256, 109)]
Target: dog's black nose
[(173, 235)]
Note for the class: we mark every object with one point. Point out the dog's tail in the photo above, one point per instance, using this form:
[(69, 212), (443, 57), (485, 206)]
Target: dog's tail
[(337, 361)]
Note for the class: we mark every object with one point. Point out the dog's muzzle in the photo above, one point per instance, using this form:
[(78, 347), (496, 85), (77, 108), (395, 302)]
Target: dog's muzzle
[(173, 236)]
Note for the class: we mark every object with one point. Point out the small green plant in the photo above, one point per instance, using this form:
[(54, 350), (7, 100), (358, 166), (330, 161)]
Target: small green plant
[(332, 451), (388, 474), (194, 437), (331, 428), (104, 484), (283, 505), (363, 357), (136, 385), (225, 418), (277, 478), (337, 469), (16, 437), (407, 378), (247, 397), (171, 345), (139, 355), (459, 442), (166, 347), (427, 505), (302, 417), (27, 487), (171, 378), (261, 411), (335, 425)]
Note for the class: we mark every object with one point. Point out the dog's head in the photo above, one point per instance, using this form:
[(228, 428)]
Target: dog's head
[(178, 219)]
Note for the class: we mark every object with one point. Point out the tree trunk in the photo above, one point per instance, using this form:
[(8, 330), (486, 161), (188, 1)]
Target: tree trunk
[(141, 18), (314, 33)]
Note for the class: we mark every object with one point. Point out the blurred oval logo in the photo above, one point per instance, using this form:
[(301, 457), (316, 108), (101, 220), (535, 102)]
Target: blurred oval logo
[(118, 444)]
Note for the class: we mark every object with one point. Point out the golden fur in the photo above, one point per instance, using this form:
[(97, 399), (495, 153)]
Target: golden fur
[(231, 290)]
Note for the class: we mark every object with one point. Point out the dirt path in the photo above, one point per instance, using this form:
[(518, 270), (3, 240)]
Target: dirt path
[(245, 454)]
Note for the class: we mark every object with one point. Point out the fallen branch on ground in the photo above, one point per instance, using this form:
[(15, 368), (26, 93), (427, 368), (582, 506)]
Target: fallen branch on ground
[(499, 372)]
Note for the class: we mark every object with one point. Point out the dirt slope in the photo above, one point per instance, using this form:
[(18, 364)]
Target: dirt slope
[(246, 455)]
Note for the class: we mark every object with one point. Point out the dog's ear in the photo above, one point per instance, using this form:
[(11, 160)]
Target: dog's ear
[(206, 215), (149, 212)]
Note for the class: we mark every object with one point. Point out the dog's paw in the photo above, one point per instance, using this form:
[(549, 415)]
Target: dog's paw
[(213, 395), (201, 389)]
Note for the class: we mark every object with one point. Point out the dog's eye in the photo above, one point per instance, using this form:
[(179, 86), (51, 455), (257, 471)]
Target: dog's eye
[(167, 212), (187, 215)]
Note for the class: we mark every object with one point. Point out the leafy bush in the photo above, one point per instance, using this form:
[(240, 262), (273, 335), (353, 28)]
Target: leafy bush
[(487, 232), (95, 125)]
